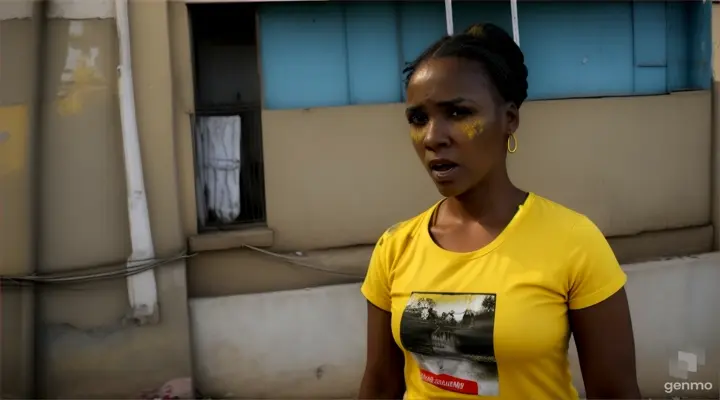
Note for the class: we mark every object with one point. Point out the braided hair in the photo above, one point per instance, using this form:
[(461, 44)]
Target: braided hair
[(489, 45)]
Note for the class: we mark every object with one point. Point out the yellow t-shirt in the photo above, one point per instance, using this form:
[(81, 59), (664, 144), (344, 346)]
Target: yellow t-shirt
[(492, 322)]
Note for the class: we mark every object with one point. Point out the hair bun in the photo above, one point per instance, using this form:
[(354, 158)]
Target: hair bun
[(476, 30), (490, 45)]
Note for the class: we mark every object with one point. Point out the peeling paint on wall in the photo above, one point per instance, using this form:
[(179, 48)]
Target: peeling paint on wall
[(80, 76), (61, 9), (15, 9), (81, 9)]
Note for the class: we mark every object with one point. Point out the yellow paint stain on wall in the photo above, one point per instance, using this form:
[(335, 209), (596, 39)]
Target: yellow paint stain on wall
[(13, 139), (85, 80)]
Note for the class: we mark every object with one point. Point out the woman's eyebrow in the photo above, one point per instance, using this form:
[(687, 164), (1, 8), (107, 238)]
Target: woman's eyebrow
[(454, 102), (413, 109), (443, 104)]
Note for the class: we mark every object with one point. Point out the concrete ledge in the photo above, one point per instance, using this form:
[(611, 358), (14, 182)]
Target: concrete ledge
[(239, 271), (256, 237), (662, 244)]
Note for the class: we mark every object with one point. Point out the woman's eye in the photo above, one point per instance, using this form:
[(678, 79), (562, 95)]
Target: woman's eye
[(459, 113), (416, 119)]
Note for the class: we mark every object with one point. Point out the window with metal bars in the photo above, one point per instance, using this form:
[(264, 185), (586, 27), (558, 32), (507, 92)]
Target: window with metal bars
[(227, 132)]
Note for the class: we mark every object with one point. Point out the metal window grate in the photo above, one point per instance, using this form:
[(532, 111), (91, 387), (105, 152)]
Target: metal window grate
[(229, 180)]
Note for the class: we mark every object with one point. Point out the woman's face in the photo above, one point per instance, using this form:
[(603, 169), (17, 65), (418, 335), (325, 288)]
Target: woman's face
[(459, 124)]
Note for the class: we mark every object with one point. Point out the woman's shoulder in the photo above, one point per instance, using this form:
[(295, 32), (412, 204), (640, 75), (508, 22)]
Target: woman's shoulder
[(571, 224), (559, 215), (400, 233)]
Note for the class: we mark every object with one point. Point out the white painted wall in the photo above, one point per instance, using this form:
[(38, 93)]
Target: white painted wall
[(311, 343)]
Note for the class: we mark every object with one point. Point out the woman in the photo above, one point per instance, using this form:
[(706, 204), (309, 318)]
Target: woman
[(479, 294)]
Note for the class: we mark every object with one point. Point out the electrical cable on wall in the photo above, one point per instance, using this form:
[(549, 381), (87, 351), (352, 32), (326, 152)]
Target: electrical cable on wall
[(294, 261), (116, 270), (120, 270)]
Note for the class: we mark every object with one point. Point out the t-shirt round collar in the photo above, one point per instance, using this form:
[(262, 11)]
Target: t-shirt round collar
[(523, 209)]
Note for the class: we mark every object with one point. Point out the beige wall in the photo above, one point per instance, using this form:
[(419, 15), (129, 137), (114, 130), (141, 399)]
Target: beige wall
[(632, 164), (17, 108), (86, 347)]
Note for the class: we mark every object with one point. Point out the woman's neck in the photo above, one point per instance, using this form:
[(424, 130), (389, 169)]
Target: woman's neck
[(492, 201)]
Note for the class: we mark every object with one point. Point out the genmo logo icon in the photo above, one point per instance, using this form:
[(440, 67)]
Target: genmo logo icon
[(686, 362), (681, 366)]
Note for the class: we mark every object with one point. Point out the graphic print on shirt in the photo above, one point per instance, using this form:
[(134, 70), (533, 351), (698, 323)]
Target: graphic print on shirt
[(450, 336)]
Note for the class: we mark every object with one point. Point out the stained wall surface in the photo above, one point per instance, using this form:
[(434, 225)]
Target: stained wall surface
[(84, 345)]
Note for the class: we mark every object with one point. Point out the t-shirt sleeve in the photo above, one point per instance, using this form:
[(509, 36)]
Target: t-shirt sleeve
[(376, 287), (594, 272)]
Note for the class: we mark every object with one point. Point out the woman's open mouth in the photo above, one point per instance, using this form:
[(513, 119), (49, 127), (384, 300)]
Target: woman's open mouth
[(443, 169)]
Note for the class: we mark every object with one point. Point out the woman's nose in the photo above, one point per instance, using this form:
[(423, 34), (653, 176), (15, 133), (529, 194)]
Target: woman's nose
[(438, 135)]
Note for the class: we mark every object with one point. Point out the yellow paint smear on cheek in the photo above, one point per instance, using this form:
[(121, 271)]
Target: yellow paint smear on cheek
[(417, 133), (471, 129)]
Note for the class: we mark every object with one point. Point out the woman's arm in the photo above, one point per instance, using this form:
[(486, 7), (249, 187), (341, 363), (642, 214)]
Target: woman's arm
[(606, 348), (383, 377)]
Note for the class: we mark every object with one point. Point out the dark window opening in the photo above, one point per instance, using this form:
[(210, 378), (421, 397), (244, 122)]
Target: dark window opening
[(227, 130)]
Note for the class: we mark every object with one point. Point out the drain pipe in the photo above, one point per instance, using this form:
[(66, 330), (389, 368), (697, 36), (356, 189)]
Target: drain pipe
[(33, 367), (142, 288)]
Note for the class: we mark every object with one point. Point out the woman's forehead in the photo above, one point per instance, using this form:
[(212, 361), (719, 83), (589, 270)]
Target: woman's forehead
[(441, 79)]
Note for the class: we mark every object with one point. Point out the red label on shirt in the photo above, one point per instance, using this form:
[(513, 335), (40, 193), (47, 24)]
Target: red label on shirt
[(450, 383)]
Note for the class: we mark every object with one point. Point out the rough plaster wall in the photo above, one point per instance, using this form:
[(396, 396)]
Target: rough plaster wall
[(89, 353), (16, 97), (287, 351), (16, 352), (15, 9), (82, 175), (592, 155), (85, 350), (63, 9)]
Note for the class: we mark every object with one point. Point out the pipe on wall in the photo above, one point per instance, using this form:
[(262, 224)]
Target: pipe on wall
[(31, 312), (449, 17), (514, 19), (142, 288)]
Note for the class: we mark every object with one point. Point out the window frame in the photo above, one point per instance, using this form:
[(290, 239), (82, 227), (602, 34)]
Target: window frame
[(252, 170)]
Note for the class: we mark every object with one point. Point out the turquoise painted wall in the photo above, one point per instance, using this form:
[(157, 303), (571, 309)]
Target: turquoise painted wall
[(342, 53)]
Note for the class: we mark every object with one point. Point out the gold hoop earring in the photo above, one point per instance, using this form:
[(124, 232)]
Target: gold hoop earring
[(512, 143)]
